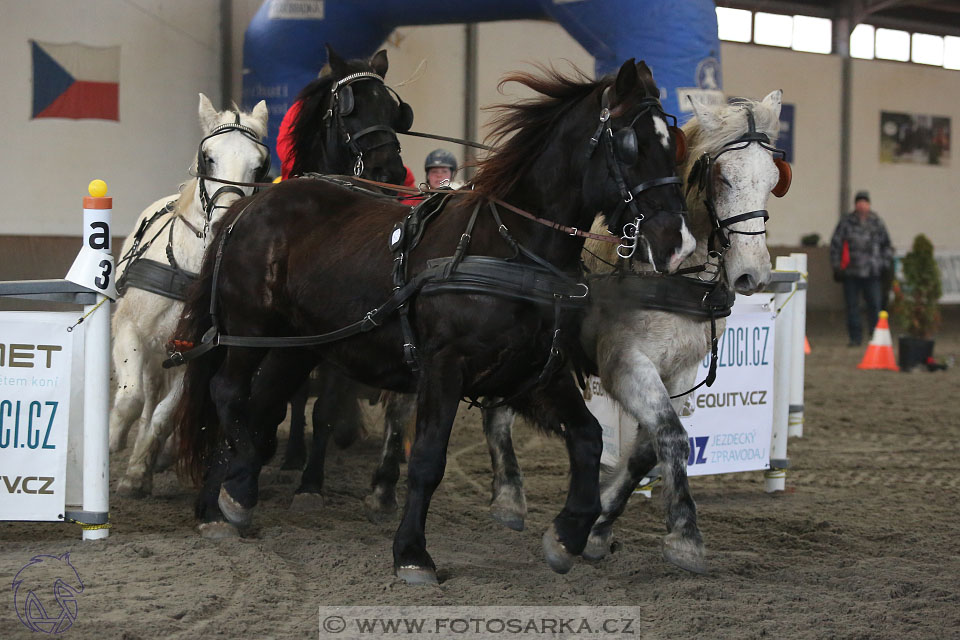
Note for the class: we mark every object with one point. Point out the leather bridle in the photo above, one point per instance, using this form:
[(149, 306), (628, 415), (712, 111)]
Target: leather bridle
[(702, 175), (341, 106), (209, 202), (631, 231)]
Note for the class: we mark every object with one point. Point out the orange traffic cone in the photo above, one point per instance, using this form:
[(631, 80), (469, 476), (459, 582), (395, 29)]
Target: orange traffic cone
[(806, 346), (879, 353)]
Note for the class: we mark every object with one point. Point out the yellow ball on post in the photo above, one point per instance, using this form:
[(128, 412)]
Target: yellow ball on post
[(97, 188)]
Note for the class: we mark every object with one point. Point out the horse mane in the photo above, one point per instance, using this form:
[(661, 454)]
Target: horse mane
[(309, 120), (733, 120), (187, 195), (522, 130)]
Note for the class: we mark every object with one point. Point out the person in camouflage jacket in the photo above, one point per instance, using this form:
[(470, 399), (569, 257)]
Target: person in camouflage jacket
[(861, 256)]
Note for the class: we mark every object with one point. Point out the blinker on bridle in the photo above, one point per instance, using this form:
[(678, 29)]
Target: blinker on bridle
[(341, 106), (621, 149)]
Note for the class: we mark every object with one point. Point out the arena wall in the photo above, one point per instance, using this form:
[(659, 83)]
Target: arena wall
[(169, 52)]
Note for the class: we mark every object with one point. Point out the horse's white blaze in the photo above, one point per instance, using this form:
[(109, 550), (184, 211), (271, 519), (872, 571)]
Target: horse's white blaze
[(143, 321), (660, 126), (687, 245)]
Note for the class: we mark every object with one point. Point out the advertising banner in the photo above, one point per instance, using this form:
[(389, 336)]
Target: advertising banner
[(36, 352), (729, 424)]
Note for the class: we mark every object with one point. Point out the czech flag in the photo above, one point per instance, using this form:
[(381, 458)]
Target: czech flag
[(75, 81)]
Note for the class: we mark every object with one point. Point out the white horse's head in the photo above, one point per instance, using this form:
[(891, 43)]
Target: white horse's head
[(743, 173), (231, 149)]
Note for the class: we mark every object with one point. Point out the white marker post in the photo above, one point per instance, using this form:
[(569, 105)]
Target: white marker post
[(97, 211), (797, 356), (776, 477)]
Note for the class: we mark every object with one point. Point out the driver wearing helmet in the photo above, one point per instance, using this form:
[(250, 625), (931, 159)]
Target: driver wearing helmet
[(440, 167)]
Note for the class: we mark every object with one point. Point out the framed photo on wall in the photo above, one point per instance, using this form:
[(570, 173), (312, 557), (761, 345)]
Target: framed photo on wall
[(914, 138)]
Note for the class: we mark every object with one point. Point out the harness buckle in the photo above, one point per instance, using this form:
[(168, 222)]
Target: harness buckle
[(574, 231), (369, 317), (604, 114), (358, 165), (711, 270), (628, 198)]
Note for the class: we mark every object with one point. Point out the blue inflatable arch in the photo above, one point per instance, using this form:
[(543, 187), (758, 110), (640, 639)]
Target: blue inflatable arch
[(284, 45)]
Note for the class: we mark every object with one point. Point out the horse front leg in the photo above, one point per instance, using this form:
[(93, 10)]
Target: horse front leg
[(138, 480), (238, 462), (441, 386), (508, 505), (399, 409), (633, 380), (309, 495), (128, 398), (295, 455), (616, 487), (561, 408)]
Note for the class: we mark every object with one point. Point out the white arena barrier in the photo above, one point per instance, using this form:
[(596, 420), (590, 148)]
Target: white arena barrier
[(55, 466), (742, 422)]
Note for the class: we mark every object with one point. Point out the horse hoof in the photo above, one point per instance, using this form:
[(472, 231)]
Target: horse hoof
[(379, 511), (164, 462), (414, 575), (687, 554), (307, 502), (136, 488), (507, 517), (233, 511), (598, 546), (218, 530), (558, 558)]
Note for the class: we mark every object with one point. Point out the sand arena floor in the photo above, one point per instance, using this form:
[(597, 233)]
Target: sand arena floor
[(864, 543)]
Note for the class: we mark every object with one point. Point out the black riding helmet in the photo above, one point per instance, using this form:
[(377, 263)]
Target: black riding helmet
[(440, 158)]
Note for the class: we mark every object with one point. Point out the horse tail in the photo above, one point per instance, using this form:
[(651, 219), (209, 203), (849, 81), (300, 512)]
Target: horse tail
[(198, 428)]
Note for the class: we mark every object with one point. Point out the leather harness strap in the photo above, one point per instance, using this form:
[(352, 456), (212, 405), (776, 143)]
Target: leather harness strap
[(158, 278)]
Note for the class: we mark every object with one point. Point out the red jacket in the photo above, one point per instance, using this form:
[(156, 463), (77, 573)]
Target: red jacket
[(285, 140)]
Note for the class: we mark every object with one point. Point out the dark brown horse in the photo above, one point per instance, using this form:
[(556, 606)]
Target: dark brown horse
[(309, 257)]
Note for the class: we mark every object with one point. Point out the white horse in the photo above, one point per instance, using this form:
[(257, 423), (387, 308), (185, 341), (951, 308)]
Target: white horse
[(645, 356), (170, 238)]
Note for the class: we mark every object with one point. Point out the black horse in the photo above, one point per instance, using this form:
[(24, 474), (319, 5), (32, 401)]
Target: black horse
[(348, 121), (310, 256), (346, 127)]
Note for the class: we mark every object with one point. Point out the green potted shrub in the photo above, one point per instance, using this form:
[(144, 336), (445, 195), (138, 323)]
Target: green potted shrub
[(916, 311)]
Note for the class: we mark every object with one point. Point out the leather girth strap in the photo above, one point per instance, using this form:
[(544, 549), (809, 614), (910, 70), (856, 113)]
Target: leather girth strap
[(156, 277), (475, 274)]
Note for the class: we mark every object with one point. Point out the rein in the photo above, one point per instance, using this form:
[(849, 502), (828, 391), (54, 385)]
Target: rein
[(466, 143), (556, 226)]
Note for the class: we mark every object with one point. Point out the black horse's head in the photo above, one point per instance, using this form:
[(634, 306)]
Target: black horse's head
[(632, 172), (348, 121)]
